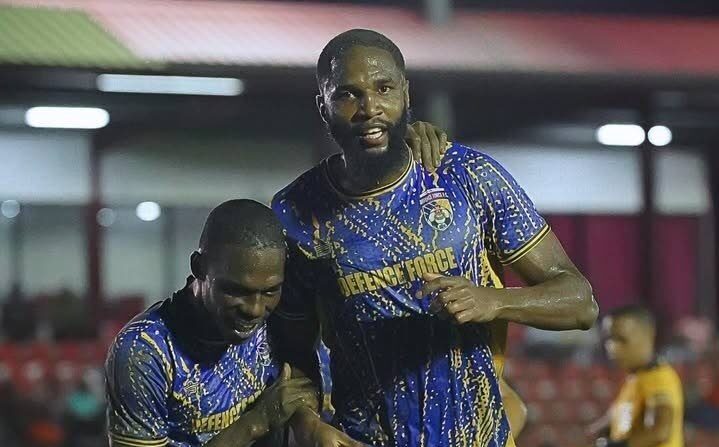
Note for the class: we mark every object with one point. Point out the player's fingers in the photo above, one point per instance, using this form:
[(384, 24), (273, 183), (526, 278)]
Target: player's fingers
[(414, 142), (346, 441), (428, 276), (434, 147), (286, 372), (443, 299), (427, 158), (442, 143), (459, 305), (463, 317), (298, 384), (292, 395), (291, 404), (437, 284)]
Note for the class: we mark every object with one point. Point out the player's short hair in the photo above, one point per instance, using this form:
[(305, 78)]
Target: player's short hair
[(636, 312), (352, 38), (242, 222)]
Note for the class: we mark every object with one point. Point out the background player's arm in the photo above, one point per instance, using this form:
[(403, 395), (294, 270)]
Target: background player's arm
[(514, 407), (656, 432), (600, 427)]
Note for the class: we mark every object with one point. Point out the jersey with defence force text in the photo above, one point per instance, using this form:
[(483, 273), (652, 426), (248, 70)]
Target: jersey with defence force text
[(402, 376), (164, 387)]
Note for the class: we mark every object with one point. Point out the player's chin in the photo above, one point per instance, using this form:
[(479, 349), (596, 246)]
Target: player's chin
[(375, 151)]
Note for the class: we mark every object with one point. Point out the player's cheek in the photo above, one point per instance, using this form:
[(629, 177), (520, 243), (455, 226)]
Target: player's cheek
[(273, 302)]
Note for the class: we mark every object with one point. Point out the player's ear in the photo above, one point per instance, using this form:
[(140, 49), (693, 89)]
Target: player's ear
[(197, 265), (321, 107)]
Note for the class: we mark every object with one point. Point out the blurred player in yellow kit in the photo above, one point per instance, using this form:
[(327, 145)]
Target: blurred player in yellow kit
[(649, 410)]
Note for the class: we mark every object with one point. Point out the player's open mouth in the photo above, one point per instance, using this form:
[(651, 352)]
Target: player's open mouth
[(242, 327), (373, 136)]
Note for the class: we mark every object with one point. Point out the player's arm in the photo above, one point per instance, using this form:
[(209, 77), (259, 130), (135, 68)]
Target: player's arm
[(558, 298), (273, 409), (427, 142), (656, 430), (514, 407), (600, 427), (137, 386), (661, 390), (296, 339)]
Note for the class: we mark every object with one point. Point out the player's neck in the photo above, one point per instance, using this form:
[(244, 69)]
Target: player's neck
[(646, 363), (359, 174), (205, 330)]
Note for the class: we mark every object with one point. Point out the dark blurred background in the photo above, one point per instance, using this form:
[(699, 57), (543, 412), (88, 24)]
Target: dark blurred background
[(606, 112)]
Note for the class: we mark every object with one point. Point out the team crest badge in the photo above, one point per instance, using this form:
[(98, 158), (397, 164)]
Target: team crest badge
[(436, 208)]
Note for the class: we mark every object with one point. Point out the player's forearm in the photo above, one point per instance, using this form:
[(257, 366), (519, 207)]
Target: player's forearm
[(242, 433), (514, 407), (303, 424), (562, 302), (656, 434)]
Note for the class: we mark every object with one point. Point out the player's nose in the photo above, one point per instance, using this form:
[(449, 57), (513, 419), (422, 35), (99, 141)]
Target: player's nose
[(253, 307)]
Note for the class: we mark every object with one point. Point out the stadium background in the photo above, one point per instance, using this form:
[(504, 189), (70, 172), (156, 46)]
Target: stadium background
[(98, 223)]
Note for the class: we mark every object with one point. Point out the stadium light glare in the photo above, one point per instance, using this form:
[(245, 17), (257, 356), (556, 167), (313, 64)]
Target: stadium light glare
[(660, 135), (148, 211), (67, 117), (106, 217), (620, 135), (10, 208), (170, 85)]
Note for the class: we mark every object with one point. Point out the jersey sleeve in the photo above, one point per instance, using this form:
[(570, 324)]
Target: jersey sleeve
[(137, 377), (512, 226), (662, 387), (297, 302)]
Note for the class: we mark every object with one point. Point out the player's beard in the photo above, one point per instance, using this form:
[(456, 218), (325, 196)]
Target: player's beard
[(346, 137)]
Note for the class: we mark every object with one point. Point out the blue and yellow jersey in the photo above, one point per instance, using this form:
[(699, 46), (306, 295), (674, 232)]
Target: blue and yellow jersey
[(165, 387), (402, 376)]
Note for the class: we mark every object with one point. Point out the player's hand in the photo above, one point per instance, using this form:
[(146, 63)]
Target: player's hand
[(315, 433), (326, 435), (428, 143), (461, 300), (279, 402)]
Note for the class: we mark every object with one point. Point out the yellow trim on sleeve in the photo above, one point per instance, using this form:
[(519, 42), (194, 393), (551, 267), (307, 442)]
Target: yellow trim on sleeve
[(529, 245), (133, 442)]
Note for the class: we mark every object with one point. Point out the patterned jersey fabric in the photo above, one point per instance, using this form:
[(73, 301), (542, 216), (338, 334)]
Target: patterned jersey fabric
[(402, 376), (167, 387)]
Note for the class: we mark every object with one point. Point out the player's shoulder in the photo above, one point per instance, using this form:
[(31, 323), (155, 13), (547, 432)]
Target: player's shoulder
[(667, 370), (308, 195), (662, 372), (460, 157), (300, 190), (147, 333)]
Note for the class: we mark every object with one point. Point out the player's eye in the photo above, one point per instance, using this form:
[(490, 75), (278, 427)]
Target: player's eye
[(345, 94), (385, 89)]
